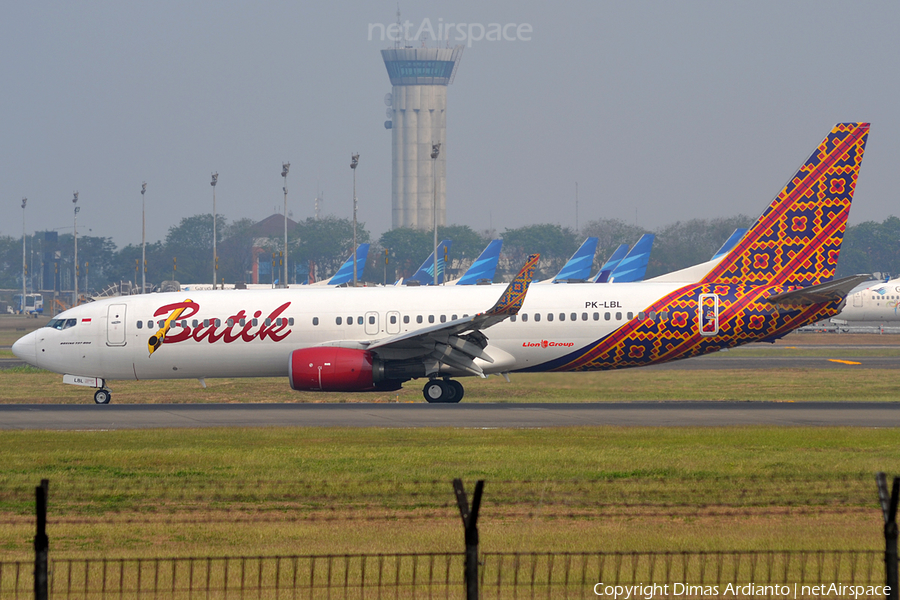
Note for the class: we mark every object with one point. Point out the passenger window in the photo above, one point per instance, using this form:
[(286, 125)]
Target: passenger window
[(641, 316), (315, 321), (290, 320), (193, 324), (431, 318), (243, 322), (255, 322), (618, 316), (443, 318), (524, 317), (149, 324), (269, 321), (630, 316), (513, 318), (537, 317), (406, 319), (206, 322), (140, 324), (161, 323), (653, 315), (562, 316), (338, 321), (574, 317), (584, 316), (230, 322), (359, 320), (549, 316), (393, 319), (371, 320), (607, 316), (596, 316), (453, 318), (418, 318)]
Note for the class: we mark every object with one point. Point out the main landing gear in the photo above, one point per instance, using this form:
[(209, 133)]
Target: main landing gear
[(445, 391), (102, 396)]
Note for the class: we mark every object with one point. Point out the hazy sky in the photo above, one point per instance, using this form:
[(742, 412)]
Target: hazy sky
[(659, 110)]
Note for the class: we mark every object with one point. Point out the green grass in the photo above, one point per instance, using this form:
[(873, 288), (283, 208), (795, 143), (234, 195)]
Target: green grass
[(847, 383), (268, 491)]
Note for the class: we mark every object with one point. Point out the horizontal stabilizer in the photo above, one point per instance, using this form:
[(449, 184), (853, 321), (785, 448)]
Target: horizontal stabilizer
[(819, 294)]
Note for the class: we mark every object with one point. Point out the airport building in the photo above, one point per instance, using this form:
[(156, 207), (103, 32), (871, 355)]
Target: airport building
[(417, 109)]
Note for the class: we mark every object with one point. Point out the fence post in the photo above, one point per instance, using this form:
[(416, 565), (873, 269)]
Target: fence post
[(470, 522), (889, 511), (41, 542)]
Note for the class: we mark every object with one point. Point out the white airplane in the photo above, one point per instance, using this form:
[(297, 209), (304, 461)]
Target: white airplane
[(778, 278), (877, 302)]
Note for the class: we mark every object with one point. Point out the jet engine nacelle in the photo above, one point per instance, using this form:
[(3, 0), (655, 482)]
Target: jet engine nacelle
[(332, 369)]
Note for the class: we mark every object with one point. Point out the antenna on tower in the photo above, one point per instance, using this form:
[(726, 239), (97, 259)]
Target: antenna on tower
[(576, 207), (399, 27)]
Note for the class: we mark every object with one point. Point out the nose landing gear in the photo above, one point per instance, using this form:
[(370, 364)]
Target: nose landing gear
[(446, 391), (102, 396)]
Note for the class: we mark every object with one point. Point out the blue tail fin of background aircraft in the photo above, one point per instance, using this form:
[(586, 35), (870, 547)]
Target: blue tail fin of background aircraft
[(610, 265), (634, 265), (425, 274), (579, 266), (345, 273), (730, 243), (484, 266)]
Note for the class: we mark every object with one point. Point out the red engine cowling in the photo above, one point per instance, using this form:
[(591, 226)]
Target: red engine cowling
[(331, 369)]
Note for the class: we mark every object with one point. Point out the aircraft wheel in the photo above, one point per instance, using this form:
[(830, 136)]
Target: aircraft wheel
[(458, 389), (102, 396), (437, 391)]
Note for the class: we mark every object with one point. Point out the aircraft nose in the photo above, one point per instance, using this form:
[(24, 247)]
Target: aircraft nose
[(24, 348)]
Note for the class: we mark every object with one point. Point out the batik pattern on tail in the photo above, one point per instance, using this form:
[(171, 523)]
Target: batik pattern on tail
[(797, 240)]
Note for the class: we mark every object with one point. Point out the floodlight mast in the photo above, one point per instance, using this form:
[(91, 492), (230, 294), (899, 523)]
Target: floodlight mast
[(435, 151), (215, 180), (75, 202), (354, 161), (143, 241), (24, 202), (285, 167)]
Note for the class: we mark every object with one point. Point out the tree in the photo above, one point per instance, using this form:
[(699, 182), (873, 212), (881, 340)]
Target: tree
[(871, 247), (191, 242), (327, 242), (236, 251), (554, 243)]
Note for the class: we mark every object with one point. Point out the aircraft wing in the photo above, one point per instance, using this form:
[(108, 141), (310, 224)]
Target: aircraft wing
[(819, 294), (456, 343)]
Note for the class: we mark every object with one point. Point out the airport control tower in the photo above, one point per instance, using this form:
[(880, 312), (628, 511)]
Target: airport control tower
[(417, 108)]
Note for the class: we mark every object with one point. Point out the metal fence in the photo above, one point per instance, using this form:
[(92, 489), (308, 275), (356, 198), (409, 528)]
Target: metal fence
[(502, 575)]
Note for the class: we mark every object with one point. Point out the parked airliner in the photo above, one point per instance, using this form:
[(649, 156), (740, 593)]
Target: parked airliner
[(777, 278), (878, 302)]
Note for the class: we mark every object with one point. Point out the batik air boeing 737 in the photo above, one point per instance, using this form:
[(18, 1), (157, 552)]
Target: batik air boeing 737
[(776, 279)]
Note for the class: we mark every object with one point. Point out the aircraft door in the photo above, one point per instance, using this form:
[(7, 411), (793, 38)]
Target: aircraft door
[(857, 300), (393, 322), (372, 323), (708, 314), (115, 325)]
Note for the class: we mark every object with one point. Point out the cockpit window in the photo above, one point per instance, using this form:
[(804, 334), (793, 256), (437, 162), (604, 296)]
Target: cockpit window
[(62, 323)]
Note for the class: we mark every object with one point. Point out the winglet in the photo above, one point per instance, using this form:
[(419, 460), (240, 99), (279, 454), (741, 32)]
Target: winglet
[(514, 295)]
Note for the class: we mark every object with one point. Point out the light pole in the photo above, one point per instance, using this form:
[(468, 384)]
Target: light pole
[(435, 151), (285, 167), (77, 208), (24, 202), (354, 161), (143, 241), (215, 179)]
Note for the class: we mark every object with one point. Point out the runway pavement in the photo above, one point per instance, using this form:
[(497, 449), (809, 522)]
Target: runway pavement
[(678, 414)]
